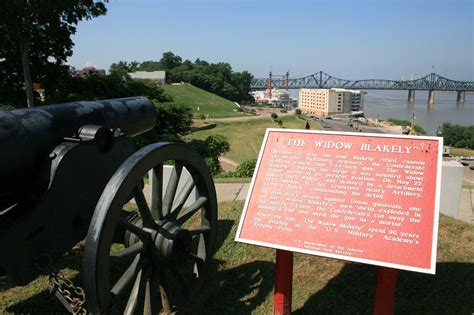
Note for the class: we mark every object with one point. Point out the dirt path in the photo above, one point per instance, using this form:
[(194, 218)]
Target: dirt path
[(245, 118), (228, 164)]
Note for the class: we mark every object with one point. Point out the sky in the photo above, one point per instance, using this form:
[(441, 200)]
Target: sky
[(358, 39)]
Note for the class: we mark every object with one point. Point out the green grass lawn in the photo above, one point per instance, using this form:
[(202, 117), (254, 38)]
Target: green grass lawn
[(245, 137), (241, 279), (209, 104)]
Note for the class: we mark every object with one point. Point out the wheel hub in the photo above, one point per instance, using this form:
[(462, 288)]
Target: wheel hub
[(172, 243)]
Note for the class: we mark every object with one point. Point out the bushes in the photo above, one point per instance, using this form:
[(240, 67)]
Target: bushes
[(245, 169), (211, 149), (457, 136)]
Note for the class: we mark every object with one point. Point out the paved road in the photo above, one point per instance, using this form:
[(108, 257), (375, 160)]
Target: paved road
[(341, 125)]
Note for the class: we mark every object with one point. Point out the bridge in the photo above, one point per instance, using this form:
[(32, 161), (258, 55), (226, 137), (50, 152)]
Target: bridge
[(321, 80)]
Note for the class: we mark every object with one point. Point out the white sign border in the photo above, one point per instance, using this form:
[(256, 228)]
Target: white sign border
[(431, 270)]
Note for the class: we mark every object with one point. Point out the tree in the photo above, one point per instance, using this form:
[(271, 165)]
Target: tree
[(95, 87), (297, 111), (457, 135), (173, 119), (38, 31), (122, 68), (211, 149), (170, 61)]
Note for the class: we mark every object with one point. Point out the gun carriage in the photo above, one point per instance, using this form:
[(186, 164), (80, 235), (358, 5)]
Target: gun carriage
[(71, 171)]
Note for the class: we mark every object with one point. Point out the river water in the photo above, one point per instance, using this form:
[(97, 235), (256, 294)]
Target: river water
[(394, 104)]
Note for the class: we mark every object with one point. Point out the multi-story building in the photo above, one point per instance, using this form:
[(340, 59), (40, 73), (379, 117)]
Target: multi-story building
[(329, 101)]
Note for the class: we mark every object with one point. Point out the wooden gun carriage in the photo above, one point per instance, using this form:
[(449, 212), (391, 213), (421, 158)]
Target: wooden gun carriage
[(71, 171)]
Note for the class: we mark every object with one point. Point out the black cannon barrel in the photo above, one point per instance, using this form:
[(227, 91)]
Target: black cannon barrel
[(28, 135)]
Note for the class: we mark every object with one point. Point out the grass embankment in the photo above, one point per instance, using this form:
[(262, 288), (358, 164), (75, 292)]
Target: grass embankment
[(241, 279), (245, 137), (209, 104), (399, 122), (461, 152)]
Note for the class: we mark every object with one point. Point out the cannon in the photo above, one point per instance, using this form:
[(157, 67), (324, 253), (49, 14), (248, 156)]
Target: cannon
[(71, 172)]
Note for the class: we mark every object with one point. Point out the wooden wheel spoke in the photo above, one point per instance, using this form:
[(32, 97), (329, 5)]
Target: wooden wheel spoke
[(182, 197), (200, 230), (151, 306), (143, 208), (198, 263), (196, 258), (138, 291), (132, 250), (156, 184), (186, 215), (142, 234), (165, 298), (172, 187), (126, 277)]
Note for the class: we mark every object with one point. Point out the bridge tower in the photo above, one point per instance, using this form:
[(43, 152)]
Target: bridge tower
[(461, 96), (270, 86), (431, 95), (287, 75), (411, 95)]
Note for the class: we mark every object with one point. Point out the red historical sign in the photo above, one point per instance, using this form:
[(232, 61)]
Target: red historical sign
[(361, 197)]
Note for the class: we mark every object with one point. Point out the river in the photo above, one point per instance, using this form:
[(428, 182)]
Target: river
[(393, 104)]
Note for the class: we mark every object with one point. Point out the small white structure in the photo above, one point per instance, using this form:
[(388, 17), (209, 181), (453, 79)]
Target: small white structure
[(446, 150), (159, 77), (451, 185)]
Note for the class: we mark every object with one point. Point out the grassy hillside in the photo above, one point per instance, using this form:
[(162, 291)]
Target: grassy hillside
[(241, 279), (209, 104), (245, 137)]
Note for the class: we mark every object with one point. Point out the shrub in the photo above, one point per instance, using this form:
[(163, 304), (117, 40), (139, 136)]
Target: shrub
[(245, 169), (274, 116), (211, 149), (298, 111)]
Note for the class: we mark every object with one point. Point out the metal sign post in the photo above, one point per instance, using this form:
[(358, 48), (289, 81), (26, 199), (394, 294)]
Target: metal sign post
[(283, 282)]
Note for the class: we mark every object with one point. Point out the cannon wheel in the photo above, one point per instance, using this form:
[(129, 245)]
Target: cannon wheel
[(169, 245)]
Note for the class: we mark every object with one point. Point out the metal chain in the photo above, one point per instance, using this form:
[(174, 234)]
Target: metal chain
[(71, 296)]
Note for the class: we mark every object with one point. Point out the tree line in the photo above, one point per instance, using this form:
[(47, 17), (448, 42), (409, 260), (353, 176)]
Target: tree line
[(457, 135), (217, 78)]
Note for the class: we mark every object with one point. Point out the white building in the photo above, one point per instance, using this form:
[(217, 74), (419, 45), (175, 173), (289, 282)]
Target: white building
[(330, 101), (159, 77), (278, 97)]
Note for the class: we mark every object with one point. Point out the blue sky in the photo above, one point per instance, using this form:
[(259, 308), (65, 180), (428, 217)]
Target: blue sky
[(348, 39)]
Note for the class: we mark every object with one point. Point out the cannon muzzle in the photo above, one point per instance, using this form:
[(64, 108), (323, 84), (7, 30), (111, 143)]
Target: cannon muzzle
[(27, 136)]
